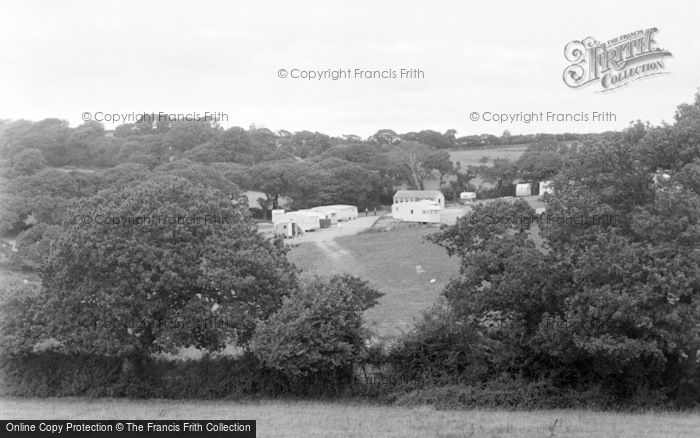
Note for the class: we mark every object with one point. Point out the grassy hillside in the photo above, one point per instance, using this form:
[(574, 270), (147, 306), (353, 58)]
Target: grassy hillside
[(472, 156), (399, 263)]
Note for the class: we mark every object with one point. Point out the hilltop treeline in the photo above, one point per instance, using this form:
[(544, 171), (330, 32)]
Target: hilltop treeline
[(151, 143)]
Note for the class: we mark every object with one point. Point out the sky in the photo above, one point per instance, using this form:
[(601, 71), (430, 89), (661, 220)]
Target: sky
[(63, 59)]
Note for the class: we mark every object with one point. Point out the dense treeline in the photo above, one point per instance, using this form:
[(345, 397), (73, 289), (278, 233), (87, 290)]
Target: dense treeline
[(48, 166), (52, 142), (608, 303)]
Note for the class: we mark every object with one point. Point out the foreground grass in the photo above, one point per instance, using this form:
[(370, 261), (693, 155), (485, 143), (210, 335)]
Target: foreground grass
[(319, 419), (399, 263)]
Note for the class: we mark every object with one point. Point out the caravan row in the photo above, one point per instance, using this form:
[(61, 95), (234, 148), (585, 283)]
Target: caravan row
[(295, 223)]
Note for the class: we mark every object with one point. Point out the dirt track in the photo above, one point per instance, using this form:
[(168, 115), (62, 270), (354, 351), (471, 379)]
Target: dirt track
[(341, 229)]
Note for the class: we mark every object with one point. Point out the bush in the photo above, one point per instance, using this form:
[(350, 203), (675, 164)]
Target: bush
[(496, 192), (49, 374), (507, 392), (318, 329), (441, 349), (52, 374)]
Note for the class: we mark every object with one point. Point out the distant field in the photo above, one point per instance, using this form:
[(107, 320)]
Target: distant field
[(286, 419), (467, 157), (399, 263), (472, 157)]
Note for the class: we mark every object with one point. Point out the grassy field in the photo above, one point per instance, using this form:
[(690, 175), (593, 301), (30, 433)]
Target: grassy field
[(472, 156), (324, 419), (399, 263)]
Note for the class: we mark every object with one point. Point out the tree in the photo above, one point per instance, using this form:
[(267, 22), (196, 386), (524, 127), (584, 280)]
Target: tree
[(162, 265), (28, 162), (34, 244), (413, 158), (610, 298), (124, 175), (351, 183), (440, 162), (48, 136), (206, 176), (56, 183), (13, 212), (184, 136), (384, 136), (236, 173), (540, 162), (500, 175), (81, 142), (462, 181), (301, 182), (431, 138), (318, 328), (306, 144), (356, 153)]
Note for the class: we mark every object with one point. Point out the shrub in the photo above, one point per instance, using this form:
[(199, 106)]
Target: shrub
[(442, 348), (318, 329), (53, 374)]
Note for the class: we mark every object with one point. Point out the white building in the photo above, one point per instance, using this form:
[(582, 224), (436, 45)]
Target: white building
[(435, 196), (523, 189), (467, 197), (417, 211), (546, 187)]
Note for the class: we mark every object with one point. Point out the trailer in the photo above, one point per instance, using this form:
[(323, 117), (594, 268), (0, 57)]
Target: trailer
[(523, 190), (337, 213), (467, 197), (324, 217), (277, 215), (306, 220), (287, 229)]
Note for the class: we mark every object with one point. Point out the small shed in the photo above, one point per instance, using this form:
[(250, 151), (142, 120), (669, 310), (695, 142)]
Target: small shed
[(523, 189)]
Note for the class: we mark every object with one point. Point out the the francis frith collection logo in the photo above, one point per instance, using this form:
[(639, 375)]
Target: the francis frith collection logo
[(614, 63)]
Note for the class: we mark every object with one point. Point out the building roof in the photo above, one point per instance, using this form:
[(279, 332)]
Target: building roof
[(334, 207), (417, 193)]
